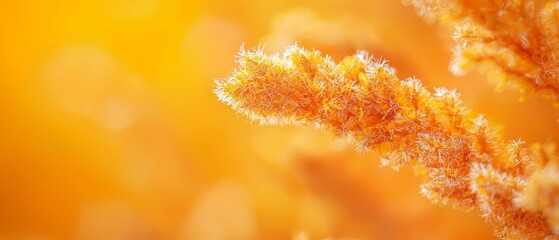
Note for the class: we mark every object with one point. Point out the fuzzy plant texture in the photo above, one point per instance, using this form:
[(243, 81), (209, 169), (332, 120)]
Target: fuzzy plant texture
[(516, 42), (463, 162)]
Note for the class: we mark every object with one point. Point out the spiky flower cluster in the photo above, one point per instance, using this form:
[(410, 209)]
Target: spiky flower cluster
[(514, 40), (462, 161)]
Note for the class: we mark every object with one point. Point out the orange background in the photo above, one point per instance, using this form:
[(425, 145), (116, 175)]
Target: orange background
[(109, 128)]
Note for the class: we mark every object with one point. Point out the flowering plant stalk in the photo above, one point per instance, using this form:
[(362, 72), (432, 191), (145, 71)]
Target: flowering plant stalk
[(463, 162), (514, 41)]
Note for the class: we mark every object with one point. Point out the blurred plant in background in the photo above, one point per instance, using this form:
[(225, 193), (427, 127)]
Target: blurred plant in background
[(515, 41), (109, 128)]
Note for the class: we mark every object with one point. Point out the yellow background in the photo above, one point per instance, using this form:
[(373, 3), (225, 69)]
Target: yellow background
[(109, 128)]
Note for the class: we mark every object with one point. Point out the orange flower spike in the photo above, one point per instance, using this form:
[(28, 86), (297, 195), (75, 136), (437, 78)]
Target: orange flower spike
[(515, 41), (461, 160)]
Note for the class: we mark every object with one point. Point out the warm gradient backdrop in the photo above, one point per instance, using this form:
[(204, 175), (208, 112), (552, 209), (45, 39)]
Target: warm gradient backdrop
[(109, 128)]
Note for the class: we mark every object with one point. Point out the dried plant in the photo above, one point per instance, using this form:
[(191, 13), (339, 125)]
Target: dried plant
[(514, 41), (463, 162)]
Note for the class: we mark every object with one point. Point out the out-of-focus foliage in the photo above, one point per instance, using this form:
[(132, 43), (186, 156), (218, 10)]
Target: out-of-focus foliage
[(109, 128), (516, 42)]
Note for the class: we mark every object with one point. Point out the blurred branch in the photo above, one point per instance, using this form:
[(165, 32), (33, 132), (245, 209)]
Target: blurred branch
[(513, 41)]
